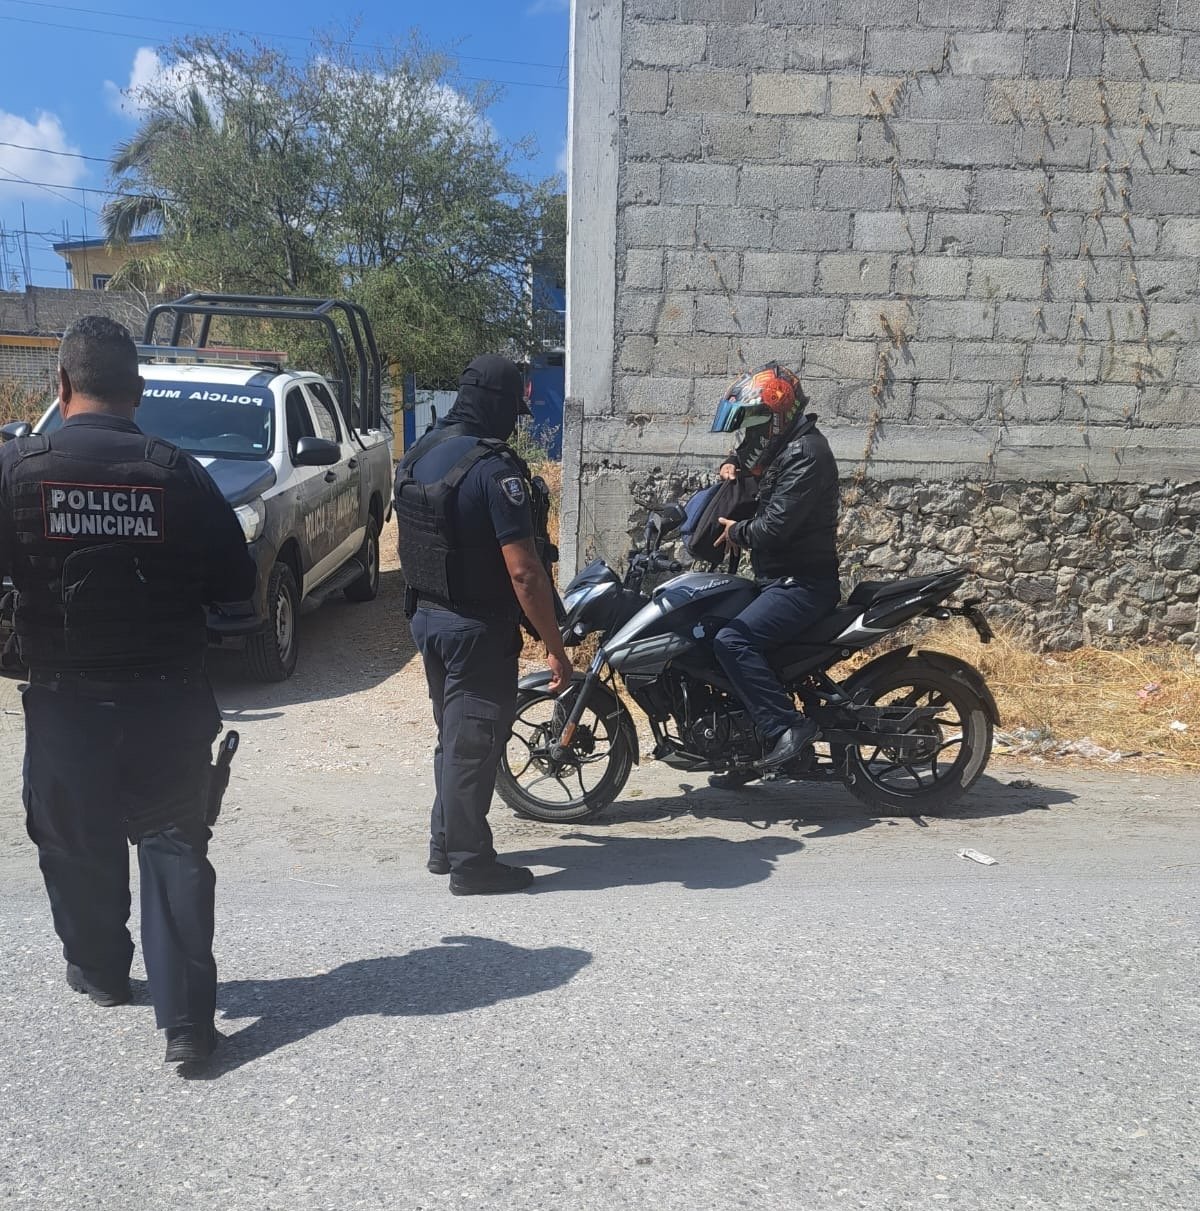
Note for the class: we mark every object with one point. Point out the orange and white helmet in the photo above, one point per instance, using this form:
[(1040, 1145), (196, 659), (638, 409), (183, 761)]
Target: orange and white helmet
[(770, 391)]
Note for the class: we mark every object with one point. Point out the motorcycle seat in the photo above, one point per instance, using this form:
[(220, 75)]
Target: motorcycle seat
[(868, 592), (824, 630)]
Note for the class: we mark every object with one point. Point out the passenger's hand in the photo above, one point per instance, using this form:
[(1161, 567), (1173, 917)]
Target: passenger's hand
[(723, 539), (560, 671), (728, 471)]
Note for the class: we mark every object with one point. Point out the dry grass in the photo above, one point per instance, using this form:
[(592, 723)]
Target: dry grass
[(19, 401), (551, 472), (1124, 701)]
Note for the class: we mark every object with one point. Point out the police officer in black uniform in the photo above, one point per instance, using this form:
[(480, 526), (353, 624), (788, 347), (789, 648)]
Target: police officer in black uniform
[(469, 553), (115, 542)]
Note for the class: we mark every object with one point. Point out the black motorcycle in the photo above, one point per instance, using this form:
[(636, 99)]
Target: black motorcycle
[(907, 733)]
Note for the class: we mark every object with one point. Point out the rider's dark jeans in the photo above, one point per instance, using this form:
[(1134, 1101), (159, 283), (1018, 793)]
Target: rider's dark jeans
[(779, 615)]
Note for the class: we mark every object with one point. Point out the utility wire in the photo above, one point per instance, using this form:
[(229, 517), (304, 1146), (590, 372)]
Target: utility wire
[(257, 33), (53, 151), (112, 33), (15, 178)]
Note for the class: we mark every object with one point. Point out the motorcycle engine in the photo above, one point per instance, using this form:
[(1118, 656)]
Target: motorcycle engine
[(707, 721)]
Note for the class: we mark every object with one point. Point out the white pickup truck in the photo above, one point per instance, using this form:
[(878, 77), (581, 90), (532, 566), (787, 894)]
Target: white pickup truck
[(304, 464)]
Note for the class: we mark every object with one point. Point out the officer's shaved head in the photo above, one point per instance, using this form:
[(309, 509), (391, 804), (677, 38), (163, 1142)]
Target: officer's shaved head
[(98, 361)]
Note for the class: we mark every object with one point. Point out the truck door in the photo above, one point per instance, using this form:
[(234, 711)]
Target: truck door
[(310, 488), (345, 512)]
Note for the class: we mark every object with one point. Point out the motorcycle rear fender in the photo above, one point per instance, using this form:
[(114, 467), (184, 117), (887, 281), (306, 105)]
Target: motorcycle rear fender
[(948, 664), (541, 679)]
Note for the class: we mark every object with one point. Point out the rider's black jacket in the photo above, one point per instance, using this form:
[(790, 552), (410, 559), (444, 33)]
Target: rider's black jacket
[(794, 529)]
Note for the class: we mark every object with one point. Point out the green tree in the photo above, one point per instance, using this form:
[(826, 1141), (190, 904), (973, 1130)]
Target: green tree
[(368, 176)]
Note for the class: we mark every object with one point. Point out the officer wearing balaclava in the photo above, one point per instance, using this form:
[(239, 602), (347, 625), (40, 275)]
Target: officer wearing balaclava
[(472, 568)]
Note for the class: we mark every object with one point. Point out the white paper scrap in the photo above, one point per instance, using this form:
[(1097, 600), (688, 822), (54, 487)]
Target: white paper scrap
[(976, 856)]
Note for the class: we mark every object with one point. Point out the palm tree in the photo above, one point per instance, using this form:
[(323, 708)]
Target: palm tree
[(134, 210)]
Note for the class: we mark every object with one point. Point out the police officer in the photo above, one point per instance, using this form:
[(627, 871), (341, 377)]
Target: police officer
[(792, 540), (115, 542), (471, 562)]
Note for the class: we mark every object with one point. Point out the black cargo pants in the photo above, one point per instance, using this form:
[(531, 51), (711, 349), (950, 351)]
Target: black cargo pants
[(106, 764), (471, 667)]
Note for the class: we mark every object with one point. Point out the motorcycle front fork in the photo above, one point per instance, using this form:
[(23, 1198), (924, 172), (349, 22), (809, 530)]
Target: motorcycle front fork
[(578, 707)]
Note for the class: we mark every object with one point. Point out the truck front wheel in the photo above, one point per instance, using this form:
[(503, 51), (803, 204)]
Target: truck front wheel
[(271, 654)]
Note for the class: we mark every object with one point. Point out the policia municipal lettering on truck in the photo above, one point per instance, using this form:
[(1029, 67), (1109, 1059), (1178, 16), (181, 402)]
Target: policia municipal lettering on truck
[(301, 459)]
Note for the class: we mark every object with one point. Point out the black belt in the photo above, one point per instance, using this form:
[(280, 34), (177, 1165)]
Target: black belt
[(159, 676)]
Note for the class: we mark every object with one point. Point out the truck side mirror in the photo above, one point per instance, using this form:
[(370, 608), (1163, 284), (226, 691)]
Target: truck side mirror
[(316, 452), (14, 429)]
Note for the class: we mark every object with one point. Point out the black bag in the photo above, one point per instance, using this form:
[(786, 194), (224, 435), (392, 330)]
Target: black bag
[(735, 498)]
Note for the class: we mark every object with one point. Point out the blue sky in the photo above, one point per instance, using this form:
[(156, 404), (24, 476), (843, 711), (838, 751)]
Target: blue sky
[(64, 63)]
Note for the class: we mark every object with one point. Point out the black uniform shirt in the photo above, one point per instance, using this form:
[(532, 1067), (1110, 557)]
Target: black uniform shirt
[(174, 517)]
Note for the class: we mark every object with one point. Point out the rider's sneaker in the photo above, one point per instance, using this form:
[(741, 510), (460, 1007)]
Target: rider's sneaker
[(732, 779)]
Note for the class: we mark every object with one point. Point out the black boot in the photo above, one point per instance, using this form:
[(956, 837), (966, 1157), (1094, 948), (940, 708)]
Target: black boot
[(791, 744), (732, 779), (190, 1044), (438, 864), (494, 880), (117, 994)]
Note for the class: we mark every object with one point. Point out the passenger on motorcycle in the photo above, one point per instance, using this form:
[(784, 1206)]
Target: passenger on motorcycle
[(792, 541)]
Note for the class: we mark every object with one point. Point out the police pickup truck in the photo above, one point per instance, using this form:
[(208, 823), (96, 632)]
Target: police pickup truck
[(302, 460)]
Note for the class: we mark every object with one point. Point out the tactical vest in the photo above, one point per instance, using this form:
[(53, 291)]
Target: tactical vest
[(106, 577), (442, 565)]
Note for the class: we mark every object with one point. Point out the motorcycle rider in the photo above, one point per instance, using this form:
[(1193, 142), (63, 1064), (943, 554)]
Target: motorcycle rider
[(792, 541)]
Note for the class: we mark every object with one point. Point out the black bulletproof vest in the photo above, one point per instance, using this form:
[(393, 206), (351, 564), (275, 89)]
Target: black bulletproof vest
[(107, 567), (463, 572)]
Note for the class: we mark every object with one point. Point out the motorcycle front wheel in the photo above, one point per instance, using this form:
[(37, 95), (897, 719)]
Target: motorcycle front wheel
[(957, 742), (584, 780)]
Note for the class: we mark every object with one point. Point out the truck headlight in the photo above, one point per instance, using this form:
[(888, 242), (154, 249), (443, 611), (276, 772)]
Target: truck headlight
[(252, 517)]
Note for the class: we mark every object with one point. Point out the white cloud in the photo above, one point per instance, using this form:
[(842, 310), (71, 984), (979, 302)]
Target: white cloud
[(563, 163), (539, 8), (45, 132), (147, 72)]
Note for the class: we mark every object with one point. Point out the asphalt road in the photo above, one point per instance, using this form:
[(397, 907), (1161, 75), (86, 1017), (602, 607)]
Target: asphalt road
[(761, 1000)]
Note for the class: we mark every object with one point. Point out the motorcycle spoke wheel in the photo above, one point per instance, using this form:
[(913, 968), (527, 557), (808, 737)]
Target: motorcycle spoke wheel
[(568, 787), (955, 742)]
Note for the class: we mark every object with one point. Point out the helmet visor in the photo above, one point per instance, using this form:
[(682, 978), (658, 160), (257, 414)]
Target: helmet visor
[(730, 415)]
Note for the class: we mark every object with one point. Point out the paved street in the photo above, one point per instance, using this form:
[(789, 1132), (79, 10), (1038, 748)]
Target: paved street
[(765, 1000)]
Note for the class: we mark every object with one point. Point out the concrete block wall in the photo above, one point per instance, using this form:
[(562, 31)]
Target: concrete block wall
[(972, 225)]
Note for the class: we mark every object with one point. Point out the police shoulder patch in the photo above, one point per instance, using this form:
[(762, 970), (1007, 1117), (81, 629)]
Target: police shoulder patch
[(513, 488)]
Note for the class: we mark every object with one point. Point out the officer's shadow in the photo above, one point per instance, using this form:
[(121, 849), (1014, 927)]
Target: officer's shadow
[(591, 861), (461, 974)]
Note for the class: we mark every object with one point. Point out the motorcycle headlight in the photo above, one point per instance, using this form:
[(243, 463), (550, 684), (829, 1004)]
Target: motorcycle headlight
[(252, 517)]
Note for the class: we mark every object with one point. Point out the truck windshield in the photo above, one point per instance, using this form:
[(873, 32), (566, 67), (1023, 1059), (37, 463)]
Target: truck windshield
[(209, 420)]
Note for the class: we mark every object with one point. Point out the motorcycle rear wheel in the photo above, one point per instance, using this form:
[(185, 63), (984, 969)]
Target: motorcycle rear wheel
[(959, 743), (592, 773)]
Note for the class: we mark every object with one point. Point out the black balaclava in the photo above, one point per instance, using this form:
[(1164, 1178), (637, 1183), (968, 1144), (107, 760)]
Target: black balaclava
[(491, 396)]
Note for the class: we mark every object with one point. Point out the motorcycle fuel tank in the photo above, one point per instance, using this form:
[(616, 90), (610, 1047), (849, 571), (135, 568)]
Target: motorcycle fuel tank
[(665, 627)]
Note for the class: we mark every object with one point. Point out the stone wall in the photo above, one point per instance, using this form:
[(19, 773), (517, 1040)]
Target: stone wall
[(973, 225)]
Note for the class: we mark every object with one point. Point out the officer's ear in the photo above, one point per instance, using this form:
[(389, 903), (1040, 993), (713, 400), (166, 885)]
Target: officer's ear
[(65, 392), (141, 387)]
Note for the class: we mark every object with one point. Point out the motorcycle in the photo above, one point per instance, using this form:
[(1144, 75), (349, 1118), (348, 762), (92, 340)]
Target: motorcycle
[(908, 733)]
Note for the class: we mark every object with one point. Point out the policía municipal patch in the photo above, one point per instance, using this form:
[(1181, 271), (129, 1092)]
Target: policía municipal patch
[(118, 511), (514, 489)]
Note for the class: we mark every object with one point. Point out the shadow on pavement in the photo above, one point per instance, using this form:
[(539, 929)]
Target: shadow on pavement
[(344, 648), (697, 863), (829, 806), (462, 973)]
